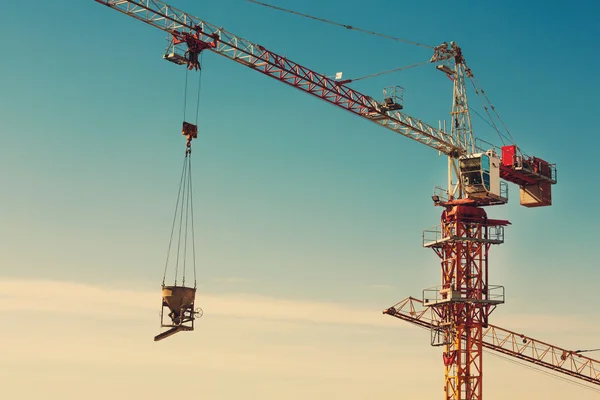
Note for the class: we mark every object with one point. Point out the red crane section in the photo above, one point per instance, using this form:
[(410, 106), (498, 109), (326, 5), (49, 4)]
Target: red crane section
[(465, 299), (568, 362), (533, 175)]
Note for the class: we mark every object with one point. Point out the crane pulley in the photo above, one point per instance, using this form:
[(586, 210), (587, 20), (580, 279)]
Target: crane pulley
[(194, 47)]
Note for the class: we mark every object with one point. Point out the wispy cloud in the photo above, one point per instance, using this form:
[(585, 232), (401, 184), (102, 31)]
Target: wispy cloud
[(526, 323), (78, 298), (231, 279), (329, 350), (380, 286)]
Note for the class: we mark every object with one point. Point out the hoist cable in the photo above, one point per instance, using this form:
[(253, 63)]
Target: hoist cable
[(385, 72), (191, 197), (491, 120), (485, 120), (189, 221), (185, 227), (475, 83), (191, 192), (340, 25), (199, 87), (185, 94), (187, 217), (184, 205), (173, 224), (180, 225), (585, 351)]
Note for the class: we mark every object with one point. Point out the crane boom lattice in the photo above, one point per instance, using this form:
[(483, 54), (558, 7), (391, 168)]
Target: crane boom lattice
[(181, 25), (510, 343)]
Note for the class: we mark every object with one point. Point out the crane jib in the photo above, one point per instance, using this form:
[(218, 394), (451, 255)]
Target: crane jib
[(507, 342), (171, 19)]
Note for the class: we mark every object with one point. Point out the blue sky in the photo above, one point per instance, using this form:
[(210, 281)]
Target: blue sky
[(296, 201)]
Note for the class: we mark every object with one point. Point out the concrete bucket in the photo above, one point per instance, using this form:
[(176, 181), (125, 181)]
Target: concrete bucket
[(178, 298)]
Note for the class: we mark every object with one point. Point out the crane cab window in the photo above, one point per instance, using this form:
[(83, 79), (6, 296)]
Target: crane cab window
[(475, 174)]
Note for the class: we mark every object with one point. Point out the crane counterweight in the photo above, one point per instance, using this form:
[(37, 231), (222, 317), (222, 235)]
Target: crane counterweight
[(534, 176)]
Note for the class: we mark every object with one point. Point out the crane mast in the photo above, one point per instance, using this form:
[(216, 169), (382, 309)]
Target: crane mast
[(451, 61), (461, 305), (465, 298)]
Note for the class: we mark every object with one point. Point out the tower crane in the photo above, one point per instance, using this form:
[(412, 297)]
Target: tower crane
[(459, 308)]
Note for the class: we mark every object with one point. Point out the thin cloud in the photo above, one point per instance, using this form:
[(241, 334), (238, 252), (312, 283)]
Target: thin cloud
[(380, 286), (231, 279), (78, 298), (556, 323)]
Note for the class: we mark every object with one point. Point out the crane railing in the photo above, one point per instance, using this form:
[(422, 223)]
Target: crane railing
[(174, 21), (568, 362)]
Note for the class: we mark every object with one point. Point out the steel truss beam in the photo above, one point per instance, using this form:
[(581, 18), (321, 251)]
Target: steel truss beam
[(510, 343), (175, 21)]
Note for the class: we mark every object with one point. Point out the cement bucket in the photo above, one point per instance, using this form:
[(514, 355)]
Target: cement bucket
[(178, 297)]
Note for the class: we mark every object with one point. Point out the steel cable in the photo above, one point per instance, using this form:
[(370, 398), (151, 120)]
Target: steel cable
[(340, 25)]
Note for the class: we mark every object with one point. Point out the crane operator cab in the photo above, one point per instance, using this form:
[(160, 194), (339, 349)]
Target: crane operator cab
[(480, 178)]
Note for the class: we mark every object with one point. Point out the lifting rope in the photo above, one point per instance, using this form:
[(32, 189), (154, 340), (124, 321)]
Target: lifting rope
[(183, 217), (485, 120), (185, 92), (341, 25), (345, 81), (486, 102), (183, 223), (585, 351)]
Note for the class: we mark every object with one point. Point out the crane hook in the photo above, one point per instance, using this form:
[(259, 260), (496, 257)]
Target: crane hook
[(190, 131)]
